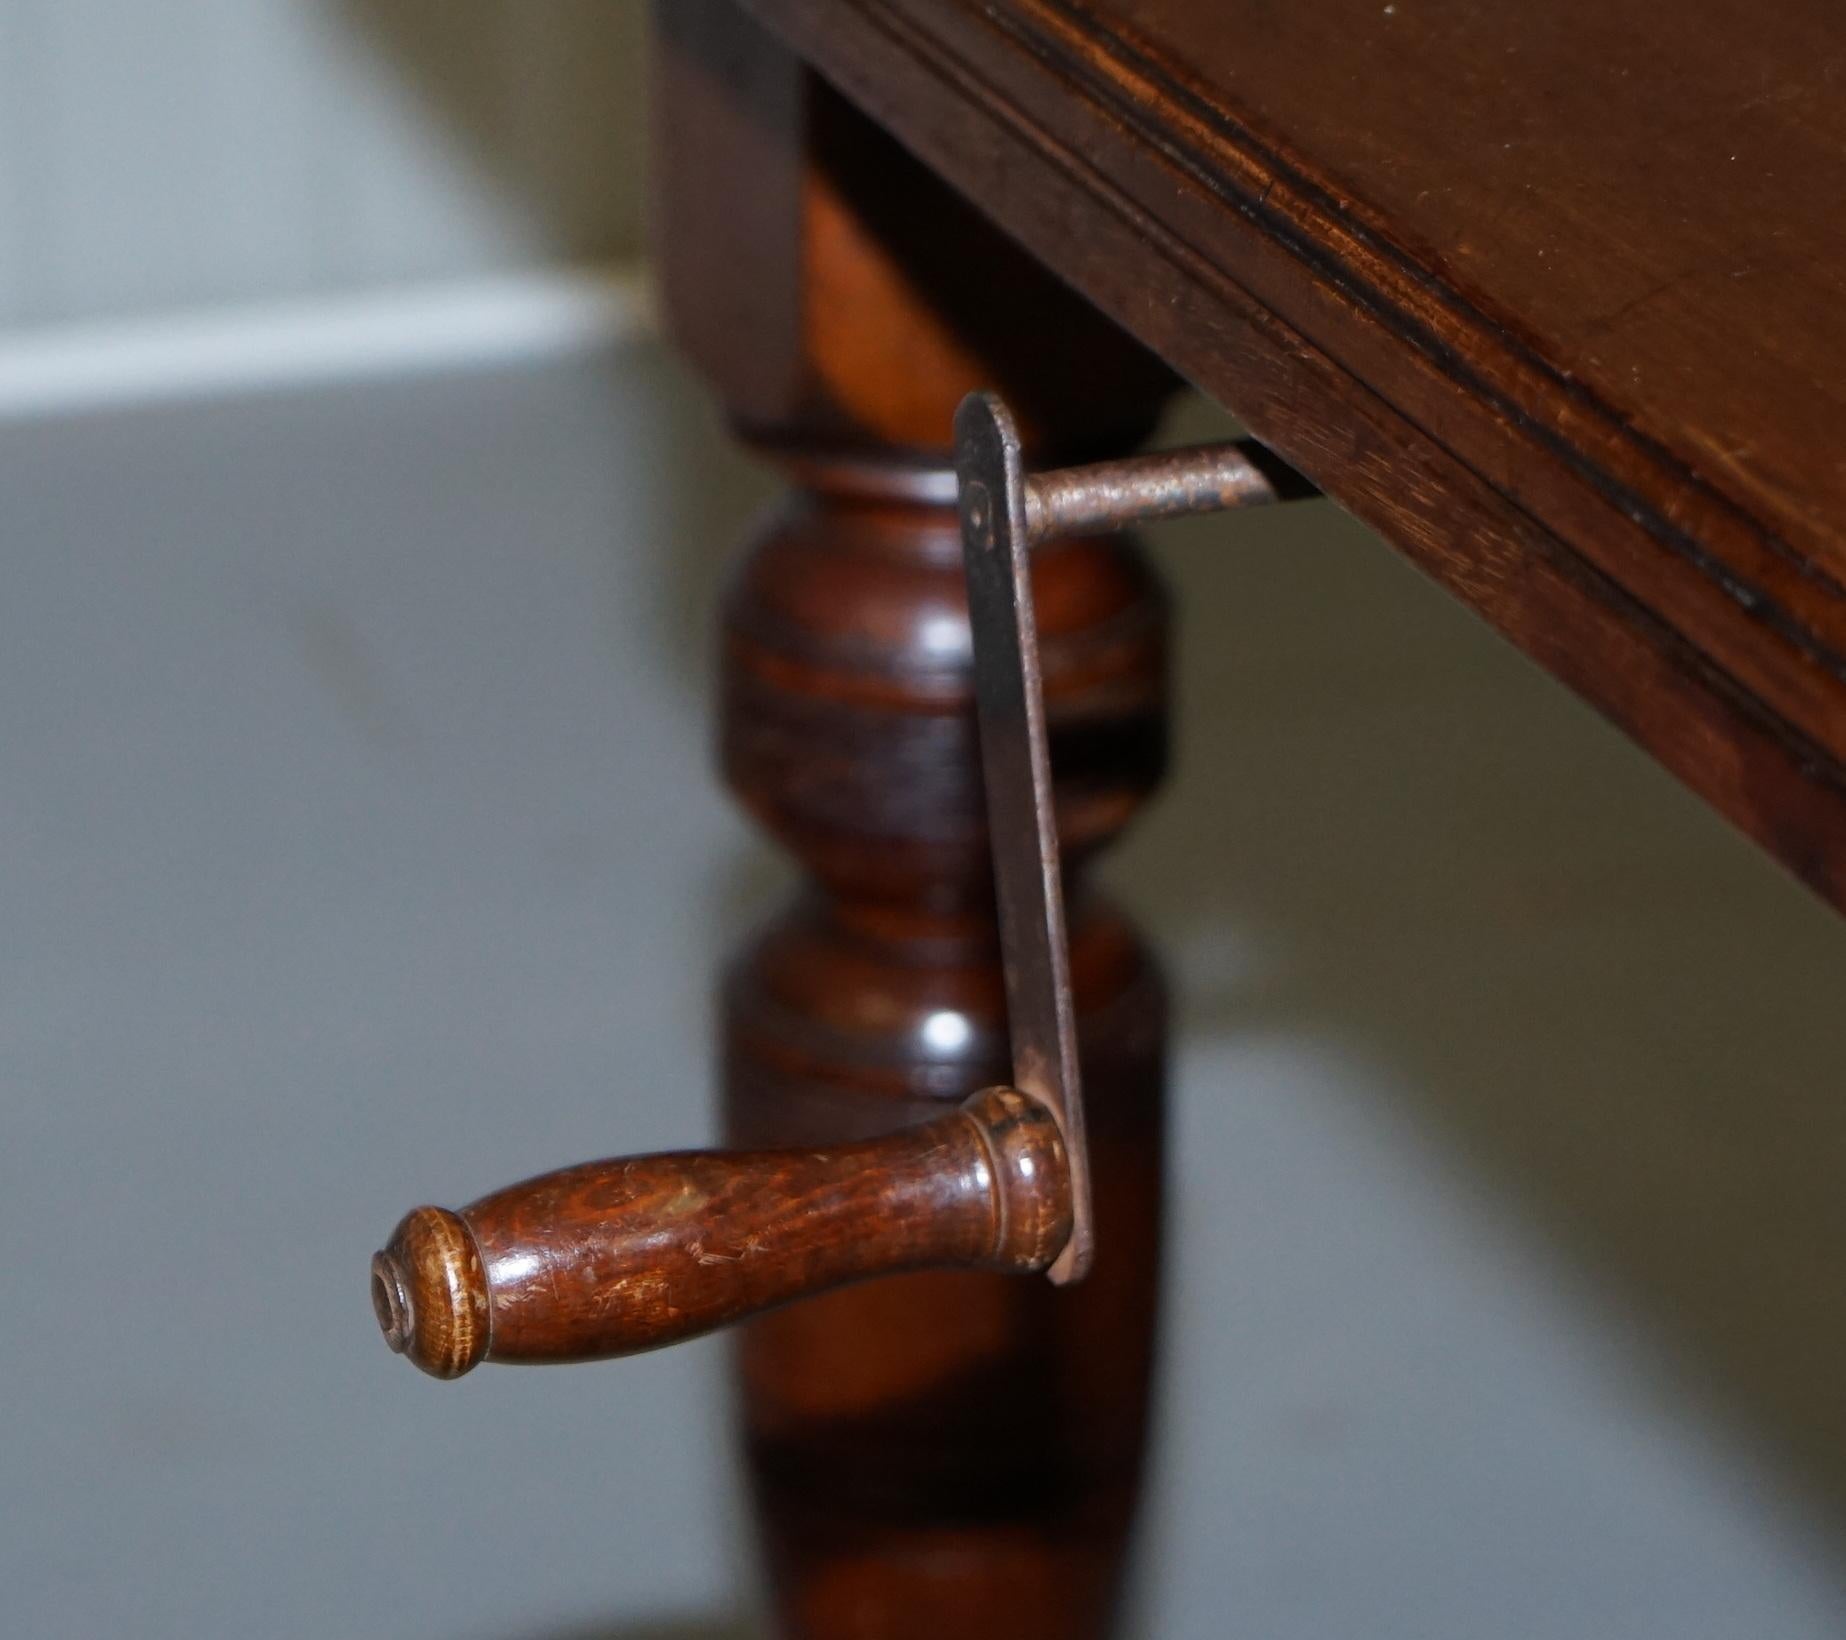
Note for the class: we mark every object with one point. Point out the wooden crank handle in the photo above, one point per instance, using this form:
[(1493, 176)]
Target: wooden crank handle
[(614, 1257)]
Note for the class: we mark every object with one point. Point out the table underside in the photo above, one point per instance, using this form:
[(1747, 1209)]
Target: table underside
[(1549, 296)]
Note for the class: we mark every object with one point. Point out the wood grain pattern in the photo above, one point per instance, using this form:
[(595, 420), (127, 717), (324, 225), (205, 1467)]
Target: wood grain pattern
[(1494, 281), (611, 1258), (948, 1453)]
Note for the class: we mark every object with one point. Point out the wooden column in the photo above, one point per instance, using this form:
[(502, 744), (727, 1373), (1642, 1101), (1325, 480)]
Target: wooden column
[(932, 1456)]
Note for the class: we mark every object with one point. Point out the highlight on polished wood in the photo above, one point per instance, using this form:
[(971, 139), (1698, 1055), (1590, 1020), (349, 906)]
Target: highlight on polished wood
[(1549, 295), (1553, 296), (611, 1258), (955, 1452)]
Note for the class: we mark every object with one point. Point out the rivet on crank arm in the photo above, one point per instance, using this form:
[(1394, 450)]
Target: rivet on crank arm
[(1004, 514)]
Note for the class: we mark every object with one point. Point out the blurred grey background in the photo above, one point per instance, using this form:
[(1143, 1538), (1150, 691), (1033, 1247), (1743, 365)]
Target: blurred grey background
[(155, 158), (358, 846)]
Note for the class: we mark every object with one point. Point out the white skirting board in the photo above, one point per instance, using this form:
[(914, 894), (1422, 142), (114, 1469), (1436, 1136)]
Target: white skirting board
[(73, 369)]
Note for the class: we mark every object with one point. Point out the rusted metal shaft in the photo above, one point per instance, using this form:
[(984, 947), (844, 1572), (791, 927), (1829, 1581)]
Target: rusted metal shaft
[(1112, 495)]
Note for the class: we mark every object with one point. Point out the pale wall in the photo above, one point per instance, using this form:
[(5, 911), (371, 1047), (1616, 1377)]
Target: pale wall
[(227, 152)]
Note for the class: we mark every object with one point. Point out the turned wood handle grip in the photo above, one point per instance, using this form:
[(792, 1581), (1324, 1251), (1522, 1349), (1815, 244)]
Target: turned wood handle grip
[(614, 1257)]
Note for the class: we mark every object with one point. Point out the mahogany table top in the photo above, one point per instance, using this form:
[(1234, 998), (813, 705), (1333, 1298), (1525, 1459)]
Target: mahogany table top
[(1554, 296)]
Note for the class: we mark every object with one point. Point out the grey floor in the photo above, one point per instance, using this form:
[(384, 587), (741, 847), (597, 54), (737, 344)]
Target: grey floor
[(357, 846)]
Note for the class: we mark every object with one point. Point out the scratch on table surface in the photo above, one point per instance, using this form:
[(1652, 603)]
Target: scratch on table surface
[(1607, 321)]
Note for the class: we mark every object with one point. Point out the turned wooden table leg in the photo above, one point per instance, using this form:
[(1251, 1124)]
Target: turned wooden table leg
[(940, 1455)]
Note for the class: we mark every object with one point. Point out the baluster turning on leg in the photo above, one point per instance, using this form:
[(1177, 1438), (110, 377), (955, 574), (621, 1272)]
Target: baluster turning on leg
[(956, 1451)]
